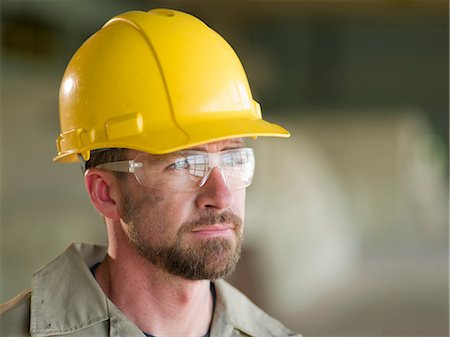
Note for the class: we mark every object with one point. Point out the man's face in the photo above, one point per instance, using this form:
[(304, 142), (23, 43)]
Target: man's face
[(193, 234)]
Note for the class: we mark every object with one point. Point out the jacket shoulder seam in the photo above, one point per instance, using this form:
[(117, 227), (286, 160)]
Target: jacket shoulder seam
[(15, 301)]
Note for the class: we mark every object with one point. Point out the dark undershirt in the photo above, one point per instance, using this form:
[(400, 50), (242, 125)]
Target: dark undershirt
[(213, 293)]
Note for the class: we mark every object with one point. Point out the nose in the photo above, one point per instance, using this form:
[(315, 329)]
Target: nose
[(214, 193)]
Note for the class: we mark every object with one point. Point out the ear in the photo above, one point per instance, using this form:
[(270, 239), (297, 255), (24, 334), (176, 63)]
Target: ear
[(102, 188)]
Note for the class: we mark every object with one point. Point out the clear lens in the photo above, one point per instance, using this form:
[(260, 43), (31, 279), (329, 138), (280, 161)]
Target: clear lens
[(188, 170), (184, 170)]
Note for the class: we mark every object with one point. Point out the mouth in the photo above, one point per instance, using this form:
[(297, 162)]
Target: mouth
[(214, 230)]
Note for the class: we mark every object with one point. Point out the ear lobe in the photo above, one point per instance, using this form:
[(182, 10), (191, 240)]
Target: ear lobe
[(99, 186)]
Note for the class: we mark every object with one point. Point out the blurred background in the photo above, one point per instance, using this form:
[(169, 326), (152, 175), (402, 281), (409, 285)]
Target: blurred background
[(347, 225)]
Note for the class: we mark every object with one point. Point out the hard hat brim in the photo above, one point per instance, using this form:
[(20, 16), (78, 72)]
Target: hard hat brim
[(203, 133), (241, 128)]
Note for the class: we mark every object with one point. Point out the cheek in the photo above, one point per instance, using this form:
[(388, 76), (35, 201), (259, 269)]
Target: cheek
[(166, 211), (238, 205)]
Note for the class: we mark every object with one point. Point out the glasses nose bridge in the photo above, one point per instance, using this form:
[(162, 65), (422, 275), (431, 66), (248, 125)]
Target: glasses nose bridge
[(214, 160)]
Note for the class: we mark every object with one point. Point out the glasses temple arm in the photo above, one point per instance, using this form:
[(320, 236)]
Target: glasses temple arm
[(120, 166)]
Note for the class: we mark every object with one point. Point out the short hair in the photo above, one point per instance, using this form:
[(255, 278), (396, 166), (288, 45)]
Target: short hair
[(102, 156)]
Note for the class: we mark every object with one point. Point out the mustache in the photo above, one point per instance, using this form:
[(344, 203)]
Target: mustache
[(211, 219)]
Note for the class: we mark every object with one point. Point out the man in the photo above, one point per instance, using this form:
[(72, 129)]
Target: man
[(155, 105)]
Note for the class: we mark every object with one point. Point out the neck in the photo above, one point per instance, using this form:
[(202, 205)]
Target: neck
[(178, 307)]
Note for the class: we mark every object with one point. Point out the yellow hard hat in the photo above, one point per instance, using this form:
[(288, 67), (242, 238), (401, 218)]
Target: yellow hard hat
[(157, 81)]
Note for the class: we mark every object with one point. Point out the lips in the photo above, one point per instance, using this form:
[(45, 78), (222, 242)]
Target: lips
[(214, 230), (215, 227)]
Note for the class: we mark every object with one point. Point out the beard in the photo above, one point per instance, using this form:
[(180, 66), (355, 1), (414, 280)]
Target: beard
[(201, 259)]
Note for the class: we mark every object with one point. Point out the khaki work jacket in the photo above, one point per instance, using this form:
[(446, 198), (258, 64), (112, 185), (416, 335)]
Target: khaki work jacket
[(66, 300)]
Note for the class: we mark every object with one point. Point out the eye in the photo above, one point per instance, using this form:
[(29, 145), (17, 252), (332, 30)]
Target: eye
[(233, 159), (180, 164)]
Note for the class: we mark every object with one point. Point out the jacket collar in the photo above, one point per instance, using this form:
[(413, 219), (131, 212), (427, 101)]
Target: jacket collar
[(54, 308), (234, 311), (65, 297)]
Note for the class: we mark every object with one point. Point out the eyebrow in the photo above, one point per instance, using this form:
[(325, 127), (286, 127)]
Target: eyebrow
[(235, 144)]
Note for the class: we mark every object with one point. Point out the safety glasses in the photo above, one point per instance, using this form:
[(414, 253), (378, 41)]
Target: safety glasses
[(188, 170)]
